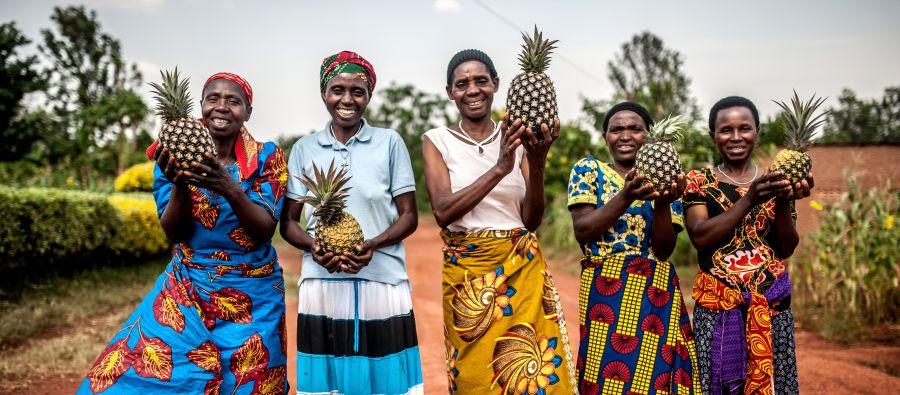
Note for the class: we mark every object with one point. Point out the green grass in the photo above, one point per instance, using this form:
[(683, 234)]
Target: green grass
[(41, 306)]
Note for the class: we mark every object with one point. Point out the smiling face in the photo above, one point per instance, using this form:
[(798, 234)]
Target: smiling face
[(625, 135), (346, 97), (472, 89), (735, 134), (224, 108)]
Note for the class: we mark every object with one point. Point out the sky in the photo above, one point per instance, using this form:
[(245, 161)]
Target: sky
[(758, 49)]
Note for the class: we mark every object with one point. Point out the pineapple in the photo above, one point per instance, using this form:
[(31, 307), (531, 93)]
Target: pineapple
[(657, 159), (184, 137), (531, 96), (336, 230), (793, 162)]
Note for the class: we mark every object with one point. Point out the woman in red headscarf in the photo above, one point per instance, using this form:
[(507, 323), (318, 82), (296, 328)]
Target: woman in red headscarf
[(214, 321)]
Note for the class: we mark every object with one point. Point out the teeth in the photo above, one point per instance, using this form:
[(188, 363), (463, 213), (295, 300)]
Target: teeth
[(346, 113), (219, 122)]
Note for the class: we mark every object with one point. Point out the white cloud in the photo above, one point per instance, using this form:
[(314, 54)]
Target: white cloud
[(135, 5), (447, 6)]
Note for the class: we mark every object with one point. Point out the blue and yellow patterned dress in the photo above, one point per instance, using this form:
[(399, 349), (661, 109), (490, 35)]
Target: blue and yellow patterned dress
[(636, 335), (214, 321)]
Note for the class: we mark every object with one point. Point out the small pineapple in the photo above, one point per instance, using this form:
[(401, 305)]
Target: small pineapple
[(531, 96), (336, 230), (184, 137), (657, 159), (793, 162)]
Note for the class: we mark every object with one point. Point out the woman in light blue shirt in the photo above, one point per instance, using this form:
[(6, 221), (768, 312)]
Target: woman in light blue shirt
[(355, 328)]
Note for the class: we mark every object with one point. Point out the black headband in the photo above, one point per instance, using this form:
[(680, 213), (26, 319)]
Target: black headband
[(465, 56), (627, 106)]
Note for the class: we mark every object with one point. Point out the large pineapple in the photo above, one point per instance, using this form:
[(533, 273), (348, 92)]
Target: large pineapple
[(657, 159), (336, 230), (800, 124), (531, 96), (183, 136)]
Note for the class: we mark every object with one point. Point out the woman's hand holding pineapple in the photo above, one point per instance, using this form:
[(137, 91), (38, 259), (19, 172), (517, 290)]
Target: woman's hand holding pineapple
[(767, 187), (636, 188), (536, 148), (799, 190), (673, 193), (212, 175), (328, 260), (169, 166), (511, 137), (353, 263)]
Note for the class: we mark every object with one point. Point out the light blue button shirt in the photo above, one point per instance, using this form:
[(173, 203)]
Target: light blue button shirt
[(380, 169)]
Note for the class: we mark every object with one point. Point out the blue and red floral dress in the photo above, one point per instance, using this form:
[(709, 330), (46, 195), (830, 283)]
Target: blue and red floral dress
[(214, 321)]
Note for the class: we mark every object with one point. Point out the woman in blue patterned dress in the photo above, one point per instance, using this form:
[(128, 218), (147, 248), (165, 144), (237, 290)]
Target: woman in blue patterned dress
[(214, 321), (635, 332)]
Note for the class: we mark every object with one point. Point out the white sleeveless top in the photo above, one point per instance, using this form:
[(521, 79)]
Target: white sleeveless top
[(501, 209)]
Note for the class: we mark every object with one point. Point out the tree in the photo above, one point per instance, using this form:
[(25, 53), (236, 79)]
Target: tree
[(91, 88), (857, 121), (648, 73), (19, 76), (411, 113)]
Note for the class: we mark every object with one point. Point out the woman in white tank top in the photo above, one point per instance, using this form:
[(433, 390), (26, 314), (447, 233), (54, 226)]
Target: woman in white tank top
[(503, 323)]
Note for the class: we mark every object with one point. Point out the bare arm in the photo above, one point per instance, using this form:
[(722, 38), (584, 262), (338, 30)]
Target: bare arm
[(786, 236), (663, 236), (533, 172), (450, 206)]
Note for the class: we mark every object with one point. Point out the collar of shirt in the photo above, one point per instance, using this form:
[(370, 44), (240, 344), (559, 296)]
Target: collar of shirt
[(327, 139)]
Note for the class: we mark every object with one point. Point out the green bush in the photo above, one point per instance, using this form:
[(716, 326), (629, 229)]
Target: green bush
[(851, 281), (47, 229)]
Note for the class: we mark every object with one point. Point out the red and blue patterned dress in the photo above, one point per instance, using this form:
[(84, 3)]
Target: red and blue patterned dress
[(214, 321), (636, 335)]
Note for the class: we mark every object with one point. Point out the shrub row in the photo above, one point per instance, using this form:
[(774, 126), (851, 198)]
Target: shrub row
[(43, 229)]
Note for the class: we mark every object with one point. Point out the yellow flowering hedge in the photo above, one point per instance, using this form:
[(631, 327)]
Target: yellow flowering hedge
[(140, 234), (45, 228), (137, 178)]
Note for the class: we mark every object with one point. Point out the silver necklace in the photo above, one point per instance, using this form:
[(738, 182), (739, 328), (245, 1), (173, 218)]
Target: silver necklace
[(345, 153), (755, 173), (478, 144)]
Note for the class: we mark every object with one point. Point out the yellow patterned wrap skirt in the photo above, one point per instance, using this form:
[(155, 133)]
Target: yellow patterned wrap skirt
[(504, 329)]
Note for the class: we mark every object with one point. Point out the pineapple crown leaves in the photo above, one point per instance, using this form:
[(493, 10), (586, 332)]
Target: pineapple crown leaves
[(535, 56), (173, 99), (669, 130), (329, 195), (800, 124)]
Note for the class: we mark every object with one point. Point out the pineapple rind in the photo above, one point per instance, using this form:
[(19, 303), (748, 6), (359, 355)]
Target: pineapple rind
[(184, 137), (337, 231), (658, 159), (800, 125)]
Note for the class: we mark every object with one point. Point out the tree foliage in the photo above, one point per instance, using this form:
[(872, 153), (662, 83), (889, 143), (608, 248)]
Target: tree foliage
[(646, 72), (411, 112), (860, 121), (19, 76)]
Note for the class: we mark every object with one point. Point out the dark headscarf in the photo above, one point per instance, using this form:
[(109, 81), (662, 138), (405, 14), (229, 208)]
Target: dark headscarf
[(465, 56), (346, 62), (627, 106)]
